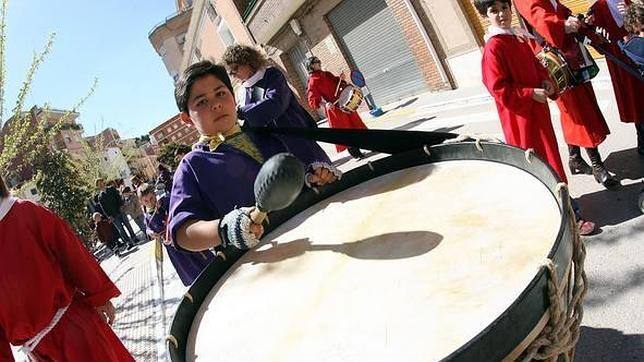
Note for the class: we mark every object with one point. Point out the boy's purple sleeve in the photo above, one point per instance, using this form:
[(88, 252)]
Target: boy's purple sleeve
[(186, 201)]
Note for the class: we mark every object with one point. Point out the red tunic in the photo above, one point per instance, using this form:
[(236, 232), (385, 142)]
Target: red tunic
[(510, 73), (322, 86), (581, 119), (625, 86), (44, 267)]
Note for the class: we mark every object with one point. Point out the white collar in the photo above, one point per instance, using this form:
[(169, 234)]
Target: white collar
[(259, 74), (614, 11), (554, 4), (518, 32), (5, 205)]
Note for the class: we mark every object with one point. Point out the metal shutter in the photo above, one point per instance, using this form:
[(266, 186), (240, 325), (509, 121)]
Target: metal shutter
[(371, 36)]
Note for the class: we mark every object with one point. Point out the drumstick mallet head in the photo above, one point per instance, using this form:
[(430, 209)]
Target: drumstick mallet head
[(277, 185)]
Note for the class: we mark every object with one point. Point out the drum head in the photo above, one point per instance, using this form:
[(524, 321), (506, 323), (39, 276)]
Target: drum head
[(408, 266)]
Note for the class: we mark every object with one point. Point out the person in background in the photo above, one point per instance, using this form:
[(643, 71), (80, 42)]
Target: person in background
[(324, 88), (610, 15), (520, 88), (105, 233), (582, 121), (110, 203), (55, 297), (132, 207), (187, 264)]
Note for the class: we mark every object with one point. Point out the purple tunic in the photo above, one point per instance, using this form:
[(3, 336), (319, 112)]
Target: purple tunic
[(207, 185), (271, 103), (187, 264)]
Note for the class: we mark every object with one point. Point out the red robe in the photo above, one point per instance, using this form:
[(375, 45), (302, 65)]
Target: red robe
[(44, 267), (625, 86), (510, 73), (581, 119), (322, 86)]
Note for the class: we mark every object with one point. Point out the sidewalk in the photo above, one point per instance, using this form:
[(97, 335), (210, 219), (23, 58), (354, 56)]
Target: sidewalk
[(144, 309)]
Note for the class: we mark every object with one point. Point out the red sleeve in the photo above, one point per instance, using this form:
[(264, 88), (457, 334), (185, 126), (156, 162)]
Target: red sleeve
[(313, 96), (79, 266), (498, 82), (5, 348), (546, 21)]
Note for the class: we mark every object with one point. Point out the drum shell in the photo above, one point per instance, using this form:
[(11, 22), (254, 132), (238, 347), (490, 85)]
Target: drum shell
[(508, 333)]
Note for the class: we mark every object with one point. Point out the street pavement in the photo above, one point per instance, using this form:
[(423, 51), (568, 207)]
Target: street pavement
[(613, 323)]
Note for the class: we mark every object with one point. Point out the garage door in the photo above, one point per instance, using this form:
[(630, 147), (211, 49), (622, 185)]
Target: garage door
[(373, 39)]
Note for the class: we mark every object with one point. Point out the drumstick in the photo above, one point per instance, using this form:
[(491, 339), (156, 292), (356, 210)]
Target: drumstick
[(277, 185), (337, 88)]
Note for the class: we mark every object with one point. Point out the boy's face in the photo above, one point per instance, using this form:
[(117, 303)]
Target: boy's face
[(240, 71), (149, 200), (97, 218), (211, 106), (500, 15)]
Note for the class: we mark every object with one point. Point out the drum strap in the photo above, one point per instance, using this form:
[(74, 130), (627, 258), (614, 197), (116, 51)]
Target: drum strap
[(385, 141)]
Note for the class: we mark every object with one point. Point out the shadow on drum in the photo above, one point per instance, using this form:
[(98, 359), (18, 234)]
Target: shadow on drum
[(606, 344), (398, 245)]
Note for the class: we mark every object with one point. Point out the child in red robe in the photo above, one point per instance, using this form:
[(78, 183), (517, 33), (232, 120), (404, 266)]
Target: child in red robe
[(323, 87), (55, 296), (609, 14), (520, 87), (581, 119)]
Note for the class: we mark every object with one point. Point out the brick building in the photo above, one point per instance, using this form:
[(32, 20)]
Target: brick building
[(173, 130), (67, 139)]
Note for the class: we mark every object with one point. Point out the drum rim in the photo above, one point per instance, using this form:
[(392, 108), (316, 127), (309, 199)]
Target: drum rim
[(474, 349)]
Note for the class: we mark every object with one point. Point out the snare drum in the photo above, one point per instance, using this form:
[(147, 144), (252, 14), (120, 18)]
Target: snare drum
[(557, 67), (350, 99), (420, 256)]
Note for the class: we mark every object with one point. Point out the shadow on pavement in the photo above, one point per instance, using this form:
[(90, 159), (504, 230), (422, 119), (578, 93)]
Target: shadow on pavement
[(601, 291), (412, 124), (606, 344), (626, 164), (611, 207), (405, 104)]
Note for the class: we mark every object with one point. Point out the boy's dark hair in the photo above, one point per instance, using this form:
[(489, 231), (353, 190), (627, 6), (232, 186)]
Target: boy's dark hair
[(244, 55), (4, 192), (482, 5), (192, 74), (634, 16), (145, 189)]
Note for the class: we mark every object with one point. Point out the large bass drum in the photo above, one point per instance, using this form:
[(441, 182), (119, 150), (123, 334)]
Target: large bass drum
[(463, 252)]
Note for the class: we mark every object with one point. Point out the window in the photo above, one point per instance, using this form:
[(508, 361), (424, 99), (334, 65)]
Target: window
[(225, 34), (33, 192), (212, 13), (181, 39), (176, 125), (198, 55)]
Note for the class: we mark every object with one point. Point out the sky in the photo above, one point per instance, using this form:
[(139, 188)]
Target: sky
[(105, 39)]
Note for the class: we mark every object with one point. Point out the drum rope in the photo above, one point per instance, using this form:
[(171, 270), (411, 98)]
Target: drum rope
[(562, 331)]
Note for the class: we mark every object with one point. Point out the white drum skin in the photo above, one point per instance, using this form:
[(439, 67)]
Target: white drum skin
[(408, 266)]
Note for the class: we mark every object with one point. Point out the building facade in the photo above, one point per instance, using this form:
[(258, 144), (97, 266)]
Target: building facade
[(168, 39), (173, 130)]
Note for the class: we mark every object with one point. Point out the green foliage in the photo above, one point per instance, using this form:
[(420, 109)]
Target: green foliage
[(25, 137), (168, 152), (63, 190)]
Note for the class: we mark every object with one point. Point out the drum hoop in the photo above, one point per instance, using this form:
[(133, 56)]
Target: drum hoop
[(529, 307)]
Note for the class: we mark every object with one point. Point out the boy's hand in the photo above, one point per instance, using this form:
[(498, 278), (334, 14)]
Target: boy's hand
[(548, 87), (321, 176), (107, 312), (236, 228), (572, 25), (540, 95)]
